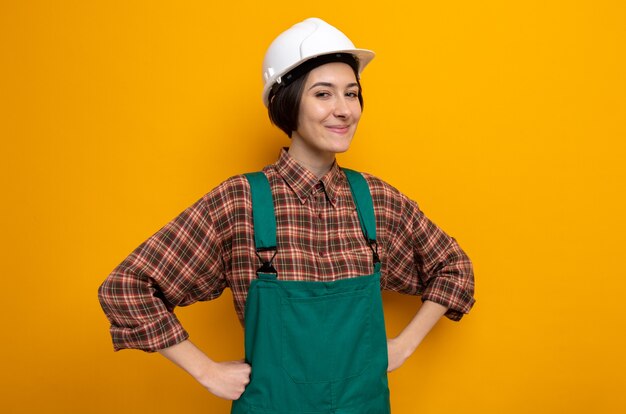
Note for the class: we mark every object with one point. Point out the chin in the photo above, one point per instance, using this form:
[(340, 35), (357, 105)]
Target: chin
[(340, 148), (341, 145)]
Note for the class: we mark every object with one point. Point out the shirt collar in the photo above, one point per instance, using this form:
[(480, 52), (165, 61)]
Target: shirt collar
[(304, 183)]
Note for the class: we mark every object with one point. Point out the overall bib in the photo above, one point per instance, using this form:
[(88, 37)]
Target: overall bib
[(314, 347)]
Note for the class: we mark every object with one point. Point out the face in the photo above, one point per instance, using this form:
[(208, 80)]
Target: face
[(329, 113)]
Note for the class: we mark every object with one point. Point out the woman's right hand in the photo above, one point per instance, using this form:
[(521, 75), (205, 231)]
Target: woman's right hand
[(224, 379), (227, 379)]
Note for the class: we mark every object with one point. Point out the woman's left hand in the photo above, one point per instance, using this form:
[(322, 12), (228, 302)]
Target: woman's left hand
[(396, 354), (400, 348)]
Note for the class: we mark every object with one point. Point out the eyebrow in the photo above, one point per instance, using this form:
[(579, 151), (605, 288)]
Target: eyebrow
[(330, 85)]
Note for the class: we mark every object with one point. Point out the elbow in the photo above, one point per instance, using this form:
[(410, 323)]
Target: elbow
[(104, 293), (111, 292)]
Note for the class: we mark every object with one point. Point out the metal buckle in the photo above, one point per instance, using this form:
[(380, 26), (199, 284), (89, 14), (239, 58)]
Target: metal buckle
[(374, 246), (267, 266)]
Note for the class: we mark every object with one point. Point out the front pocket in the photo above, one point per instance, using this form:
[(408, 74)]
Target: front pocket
[(326, 338)]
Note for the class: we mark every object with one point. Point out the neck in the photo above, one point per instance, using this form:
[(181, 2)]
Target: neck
[(319, 164)]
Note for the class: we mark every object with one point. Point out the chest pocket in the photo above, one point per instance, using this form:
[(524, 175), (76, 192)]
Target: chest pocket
[(336, 343)]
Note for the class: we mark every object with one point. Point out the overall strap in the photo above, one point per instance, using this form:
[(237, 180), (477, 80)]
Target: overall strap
[(365, 209), (263, 218)]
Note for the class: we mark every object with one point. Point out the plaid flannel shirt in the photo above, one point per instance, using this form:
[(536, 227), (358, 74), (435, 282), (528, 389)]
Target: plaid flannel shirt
[(210, 246)]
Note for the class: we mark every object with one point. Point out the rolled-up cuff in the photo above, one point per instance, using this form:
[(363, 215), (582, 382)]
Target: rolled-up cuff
[(458, 300), (159, 334)]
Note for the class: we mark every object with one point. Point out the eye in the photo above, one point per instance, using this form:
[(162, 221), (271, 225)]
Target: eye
[(322, 94), (352, 94)]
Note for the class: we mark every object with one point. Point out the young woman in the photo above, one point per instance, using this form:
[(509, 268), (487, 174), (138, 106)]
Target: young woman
[(305, 246)]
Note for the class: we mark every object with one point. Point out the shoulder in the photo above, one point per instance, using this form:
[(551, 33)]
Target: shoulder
[(394, 210), (236, 189), (234, 186), (379, 185), (230, 194), (386, 194)]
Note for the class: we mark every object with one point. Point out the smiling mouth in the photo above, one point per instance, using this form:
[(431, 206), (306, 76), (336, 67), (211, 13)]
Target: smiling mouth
[(339, 129)]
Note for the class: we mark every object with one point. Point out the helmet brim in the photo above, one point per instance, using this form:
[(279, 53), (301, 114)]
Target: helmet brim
[(363, 57)]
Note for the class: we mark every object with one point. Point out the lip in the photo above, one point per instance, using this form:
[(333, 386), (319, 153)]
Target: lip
[(339, 129)]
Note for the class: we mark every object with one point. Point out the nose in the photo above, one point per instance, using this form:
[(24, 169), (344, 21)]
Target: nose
[(342, 108)]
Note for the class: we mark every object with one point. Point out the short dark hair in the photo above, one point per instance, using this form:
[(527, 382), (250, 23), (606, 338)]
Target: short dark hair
[(284, 102)]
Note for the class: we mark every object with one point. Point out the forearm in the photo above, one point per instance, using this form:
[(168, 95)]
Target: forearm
[(191, 359), (224, 379), (404, 345), (423, 321)]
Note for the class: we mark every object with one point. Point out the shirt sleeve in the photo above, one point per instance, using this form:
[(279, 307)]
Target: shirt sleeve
[(179, 265), (421, 259), (444, 270)]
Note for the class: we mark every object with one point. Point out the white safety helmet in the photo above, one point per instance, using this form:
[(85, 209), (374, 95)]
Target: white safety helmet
[(302, 42)]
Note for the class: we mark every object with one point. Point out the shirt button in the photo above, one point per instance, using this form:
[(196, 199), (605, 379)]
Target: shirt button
[(320, 216), (322, 254)]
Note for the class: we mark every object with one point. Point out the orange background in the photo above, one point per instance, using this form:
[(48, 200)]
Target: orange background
[(506, 121)]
